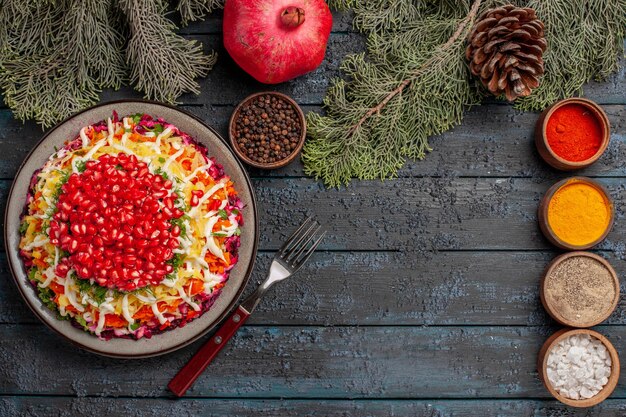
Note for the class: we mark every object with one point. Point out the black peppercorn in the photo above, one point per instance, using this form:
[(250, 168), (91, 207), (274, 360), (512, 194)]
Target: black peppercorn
[(267, 129)]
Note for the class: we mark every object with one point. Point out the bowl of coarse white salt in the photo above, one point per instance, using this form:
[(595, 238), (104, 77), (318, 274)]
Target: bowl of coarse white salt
[(580, 367)]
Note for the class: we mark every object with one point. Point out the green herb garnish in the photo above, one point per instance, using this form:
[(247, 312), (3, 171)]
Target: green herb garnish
[(180, 222), (81, 165), (160, 171), (176, 261), (80, 320), (96, 292), (65, 176), (47, 295), (23, 227), (32, 274), (161, 160), (99, 293), (222, 213)]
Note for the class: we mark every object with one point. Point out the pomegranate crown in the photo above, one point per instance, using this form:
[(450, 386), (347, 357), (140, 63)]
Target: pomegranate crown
[(292, 16)]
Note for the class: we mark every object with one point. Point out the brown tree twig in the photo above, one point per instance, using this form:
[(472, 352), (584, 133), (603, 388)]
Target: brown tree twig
[(376, 109)]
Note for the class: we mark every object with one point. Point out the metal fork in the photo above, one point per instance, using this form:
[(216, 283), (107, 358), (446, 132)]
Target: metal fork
[(288, 260)]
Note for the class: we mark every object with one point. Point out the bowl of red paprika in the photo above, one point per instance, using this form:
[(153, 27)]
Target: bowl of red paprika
[(572, 134)]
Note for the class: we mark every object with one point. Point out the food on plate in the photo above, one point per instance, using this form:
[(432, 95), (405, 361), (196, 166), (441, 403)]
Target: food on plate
[(130, 229)]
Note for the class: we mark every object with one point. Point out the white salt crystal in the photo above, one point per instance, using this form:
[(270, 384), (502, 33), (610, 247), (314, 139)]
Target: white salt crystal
[(578, 367), (585, 393)]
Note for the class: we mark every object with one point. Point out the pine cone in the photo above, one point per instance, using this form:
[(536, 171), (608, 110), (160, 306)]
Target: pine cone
[(505, 50)]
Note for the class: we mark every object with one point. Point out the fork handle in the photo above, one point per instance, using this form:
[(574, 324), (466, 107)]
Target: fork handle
[(198, 363)]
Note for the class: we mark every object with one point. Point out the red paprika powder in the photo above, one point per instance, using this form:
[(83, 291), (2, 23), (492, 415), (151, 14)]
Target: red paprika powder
[(574, 132)]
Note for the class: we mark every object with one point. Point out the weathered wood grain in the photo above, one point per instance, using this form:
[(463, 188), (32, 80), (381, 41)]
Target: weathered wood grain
[(69, 407), (300, 362), (476, 148), (414, 214), (369, 288)]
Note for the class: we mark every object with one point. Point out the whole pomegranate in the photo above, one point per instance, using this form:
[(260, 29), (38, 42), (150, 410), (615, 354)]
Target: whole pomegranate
[(277, 40)]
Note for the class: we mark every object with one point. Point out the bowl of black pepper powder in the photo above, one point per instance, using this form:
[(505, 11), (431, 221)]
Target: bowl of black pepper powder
[(267, 130), (579, 289)]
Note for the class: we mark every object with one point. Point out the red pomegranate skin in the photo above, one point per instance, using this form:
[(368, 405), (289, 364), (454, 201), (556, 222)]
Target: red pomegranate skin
[(277, 40)]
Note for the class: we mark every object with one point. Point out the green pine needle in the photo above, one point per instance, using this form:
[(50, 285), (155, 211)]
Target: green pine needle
[(413, 84), (163, 64), (369, 128), (57, 55), (192, 10), (585, 41)]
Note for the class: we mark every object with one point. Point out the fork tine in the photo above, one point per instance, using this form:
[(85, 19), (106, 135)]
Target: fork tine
[(295, 234), (309, 252), (301, 243)]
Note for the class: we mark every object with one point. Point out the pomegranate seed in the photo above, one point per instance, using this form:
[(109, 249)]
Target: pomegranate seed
[(159, 194), (114, 219), (73, 245), (194, 201), (62, 270)]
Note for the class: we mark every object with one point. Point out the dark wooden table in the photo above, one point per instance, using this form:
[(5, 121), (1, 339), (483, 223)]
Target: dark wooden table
[(423, 300)]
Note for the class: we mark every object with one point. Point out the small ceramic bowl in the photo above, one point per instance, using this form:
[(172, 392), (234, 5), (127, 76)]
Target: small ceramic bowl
[(543, 214), (554, 310), (542, 365), (270, 165), (549, 155)]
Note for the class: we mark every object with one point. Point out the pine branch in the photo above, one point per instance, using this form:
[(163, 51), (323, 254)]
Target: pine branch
[(163, 64), (391, 105), (192, 10), (587, 46), (52, 67), (406, 82), (57, 55)]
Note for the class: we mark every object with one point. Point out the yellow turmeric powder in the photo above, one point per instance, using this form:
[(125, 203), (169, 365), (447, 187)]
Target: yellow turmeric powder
[(579, 213)]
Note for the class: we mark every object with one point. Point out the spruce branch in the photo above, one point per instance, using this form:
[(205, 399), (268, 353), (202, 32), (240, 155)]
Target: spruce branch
[(437, 56), (52, 66), (192, 10), (57, 55), (585, 41), (163, 65), (414, 85)]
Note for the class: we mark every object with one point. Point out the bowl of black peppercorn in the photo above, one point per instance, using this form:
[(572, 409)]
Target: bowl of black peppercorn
[(267, 130)]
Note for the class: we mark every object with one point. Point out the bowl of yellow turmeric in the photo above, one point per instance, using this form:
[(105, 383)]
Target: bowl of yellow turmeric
[(576, 213)]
